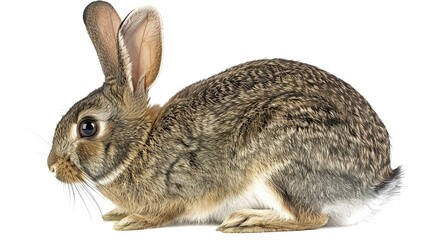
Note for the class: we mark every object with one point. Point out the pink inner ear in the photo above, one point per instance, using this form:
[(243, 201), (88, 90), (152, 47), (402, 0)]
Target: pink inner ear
[(139, 57), (142, 37)]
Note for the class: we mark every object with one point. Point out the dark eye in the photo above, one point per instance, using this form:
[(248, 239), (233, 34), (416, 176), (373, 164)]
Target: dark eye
[(87, 128)]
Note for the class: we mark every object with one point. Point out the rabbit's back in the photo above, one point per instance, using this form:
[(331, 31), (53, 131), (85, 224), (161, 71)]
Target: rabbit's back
[(309, 133)]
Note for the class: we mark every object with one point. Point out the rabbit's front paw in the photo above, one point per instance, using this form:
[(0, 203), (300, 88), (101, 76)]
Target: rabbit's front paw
[(134, 222), (114, 215)]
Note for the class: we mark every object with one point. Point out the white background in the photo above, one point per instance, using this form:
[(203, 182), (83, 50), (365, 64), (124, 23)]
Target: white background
[(48, 63)]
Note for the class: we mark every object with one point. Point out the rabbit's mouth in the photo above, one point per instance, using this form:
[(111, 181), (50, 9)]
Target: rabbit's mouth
[(66, 171)]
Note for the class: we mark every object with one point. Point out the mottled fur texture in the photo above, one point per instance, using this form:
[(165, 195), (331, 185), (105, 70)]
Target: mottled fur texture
[(268, 145)]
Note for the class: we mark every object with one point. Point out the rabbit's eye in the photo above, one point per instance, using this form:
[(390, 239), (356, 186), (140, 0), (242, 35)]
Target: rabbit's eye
[(87, 128)]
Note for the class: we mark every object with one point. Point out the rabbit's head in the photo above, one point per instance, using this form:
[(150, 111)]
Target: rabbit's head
[(93, 140)]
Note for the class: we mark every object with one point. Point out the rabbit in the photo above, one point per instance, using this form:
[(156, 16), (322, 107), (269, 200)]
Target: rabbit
[(267, 145)]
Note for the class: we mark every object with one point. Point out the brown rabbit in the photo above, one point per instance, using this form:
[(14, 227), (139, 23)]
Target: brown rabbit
[(267, 145)]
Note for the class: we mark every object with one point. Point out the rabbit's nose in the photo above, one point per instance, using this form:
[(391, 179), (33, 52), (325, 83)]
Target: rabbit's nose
[(52, 161), (53, 168)]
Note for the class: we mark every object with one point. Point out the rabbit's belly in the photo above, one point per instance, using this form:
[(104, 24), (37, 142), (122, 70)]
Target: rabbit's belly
[(257, 196)]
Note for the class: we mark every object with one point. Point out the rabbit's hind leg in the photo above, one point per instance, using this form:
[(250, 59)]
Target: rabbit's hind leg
[(268, 220)]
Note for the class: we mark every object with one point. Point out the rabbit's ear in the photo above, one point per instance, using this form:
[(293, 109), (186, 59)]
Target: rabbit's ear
[(102, 23), (140, 48)]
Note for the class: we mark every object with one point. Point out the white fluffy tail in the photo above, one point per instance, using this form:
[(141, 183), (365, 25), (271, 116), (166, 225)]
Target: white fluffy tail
[(348, 212)]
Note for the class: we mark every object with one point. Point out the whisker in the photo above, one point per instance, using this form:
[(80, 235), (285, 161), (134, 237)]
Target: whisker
[(70, 197), (39, 136), (88, 182), (94, 186), (41, 153), (74, 195), (81, 197), (93, 189), (64, 186), (91, 196)]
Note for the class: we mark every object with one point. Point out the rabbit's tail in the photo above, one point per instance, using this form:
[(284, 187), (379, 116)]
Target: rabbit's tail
[(391, 186), (352, 211)]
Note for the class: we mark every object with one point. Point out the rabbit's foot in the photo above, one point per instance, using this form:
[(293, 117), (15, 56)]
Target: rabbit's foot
[(264, 220), (135, 222), (114, 215)]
